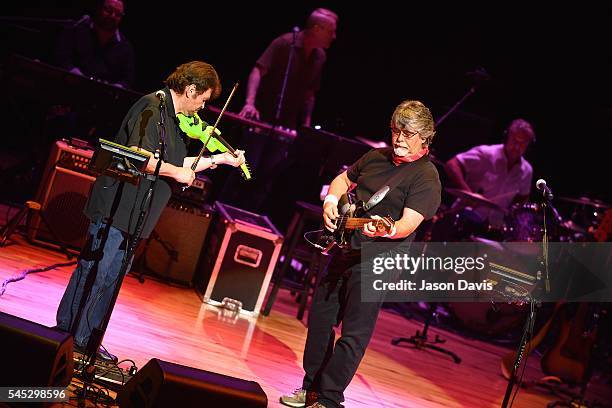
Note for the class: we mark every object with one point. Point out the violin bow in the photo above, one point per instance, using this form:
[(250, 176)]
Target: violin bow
[(229, 98)]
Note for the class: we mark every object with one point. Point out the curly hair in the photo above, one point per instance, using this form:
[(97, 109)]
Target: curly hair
[(416, 115), (199, 73)]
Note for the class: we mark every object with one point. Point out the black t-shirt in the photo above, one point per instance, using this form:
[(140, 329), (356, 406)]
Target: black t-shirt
[(78, 46), (140, 128), (419, 188), (304, 75)]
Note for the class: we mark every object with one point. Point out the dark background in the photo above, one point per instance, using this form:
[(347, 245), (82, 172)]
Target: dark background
[(549, 65)]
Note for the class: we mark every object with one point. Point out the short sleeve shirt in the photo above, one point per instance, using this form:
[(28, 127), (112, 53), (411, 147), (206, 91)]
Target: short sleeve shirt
[(486, 172), (419, 188), (140, 128)]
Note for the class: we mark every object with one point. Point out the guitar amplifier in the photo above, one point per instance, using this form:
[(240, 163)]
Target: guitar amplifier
[(173, 250), (62, 194), (239, 259)]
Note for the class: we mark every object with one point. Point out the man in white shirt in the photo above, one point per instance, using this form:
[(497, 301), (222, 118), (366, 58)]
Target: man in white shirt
[(498, 172)]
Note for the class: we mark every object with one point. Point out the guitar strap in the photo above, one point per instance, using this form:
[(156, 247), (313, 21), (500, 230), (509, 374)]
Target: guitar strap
[(389, 185)]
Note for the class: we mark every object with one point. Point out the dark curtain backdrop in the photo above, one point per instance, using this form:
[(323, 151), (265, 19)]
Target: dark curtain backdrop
[(550, 65)]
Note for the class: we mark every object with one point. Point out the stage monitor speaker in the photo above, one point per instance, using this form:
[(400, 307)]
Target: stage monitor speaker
[(163, 384), (34, 355), (62, 195), (173, 250)]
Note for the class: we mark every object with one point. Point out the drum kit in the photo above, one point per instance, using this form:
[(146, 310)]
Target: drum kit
[(521, 223)]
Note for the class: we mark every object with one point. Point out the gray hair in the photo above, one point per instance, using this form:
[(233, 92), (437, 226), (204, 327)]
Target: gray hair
[(416, 116)]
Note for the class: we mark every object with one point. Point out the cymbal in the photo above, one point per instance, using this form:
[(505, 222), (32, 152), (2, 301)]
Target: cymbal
[(586, 201), (476, 198)]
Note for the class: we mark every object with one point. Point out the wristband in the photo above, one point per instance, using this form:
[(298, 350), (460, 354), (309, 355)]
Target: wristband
[(392, 233), (212, 162), (330, 198)]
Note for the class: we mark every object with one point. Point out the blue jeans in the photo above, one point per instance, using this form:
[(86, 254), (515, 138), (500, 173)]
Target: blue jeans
[(102, 290)]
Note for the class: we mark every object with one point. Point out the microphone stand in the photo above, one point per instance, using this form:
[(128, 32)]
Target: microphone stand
[(281, 96), (528, 330), (269, 168), (527, 333), (479, 76), (95, 339), (453, 108)]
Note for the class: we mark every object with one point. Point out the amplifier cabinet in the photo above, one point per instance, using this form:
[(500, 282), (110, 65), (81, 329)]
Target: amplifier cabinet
[(173, 250), (62, 194), (239, 260)]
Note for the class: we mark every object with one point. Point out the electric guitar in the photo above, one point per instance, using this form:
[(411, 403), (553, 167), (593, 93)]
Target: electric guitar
[(570, 356), (352, 216)]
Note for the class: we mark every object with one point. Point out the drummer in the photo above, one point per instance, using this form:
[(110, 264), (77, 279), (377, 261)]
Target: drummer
[(498, 172)]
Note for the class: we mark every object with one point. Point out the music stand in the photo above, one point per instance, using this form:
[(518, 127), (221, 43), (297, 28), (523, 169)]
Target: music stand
[(119, 162)]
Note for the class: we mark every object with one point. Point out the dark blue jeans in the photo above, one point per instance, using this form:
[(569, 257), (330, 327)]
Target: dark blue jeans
[(101, 294)]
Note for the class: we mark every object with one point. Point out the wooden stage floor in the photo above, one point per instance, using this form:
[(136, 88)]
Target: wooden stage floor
[(156, 320)]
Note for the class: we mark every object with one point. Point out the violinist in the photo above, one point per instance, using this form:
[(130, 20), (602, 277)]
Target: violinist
[(187, 90)]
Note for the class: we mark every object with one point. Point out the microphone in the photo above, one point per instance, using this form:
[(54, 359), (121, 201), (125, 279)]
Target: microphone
[(546, 191), (294, 31), (161, 95)]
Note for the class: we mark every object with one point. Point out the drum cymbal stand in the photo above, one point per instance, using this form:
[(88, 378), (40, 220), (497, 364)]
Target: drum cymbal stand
[(420, 340)]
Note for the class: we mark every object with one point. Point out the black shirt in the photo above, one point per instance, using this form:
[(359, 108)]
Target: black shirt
[(304, 75), (78, 46), (419, 188), (140, 128)]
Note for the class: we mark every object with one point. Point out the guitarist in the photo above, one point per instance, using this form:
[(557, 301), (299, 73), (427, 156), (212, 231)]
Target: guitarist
[(330, 367)]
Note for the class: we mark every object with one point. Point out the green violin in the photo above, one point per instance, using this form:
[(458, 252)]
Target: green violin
[(195, 128)]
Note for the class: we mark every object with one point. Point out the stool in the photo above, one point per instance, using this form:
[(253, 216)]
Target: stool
[(296, 249), (29, 209)]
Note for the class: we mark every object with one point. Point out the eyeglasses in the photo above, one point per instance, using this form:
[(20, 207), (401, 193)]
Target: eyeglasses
[(403, 132)]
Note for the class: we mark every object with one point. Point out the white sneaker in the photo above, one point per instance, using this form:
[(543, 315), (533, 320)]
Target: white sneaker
[(296, 400)]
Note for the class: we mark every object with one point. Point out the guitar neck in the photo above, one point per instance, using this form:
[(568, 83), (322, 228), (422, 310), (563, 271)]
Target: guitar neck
[(353, 223)]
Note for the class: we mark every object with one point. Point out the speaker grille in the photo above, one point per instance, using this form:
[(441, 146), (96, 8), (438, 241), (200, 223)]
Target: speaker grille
[(62, 196), (173, 250), (64, 208)]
